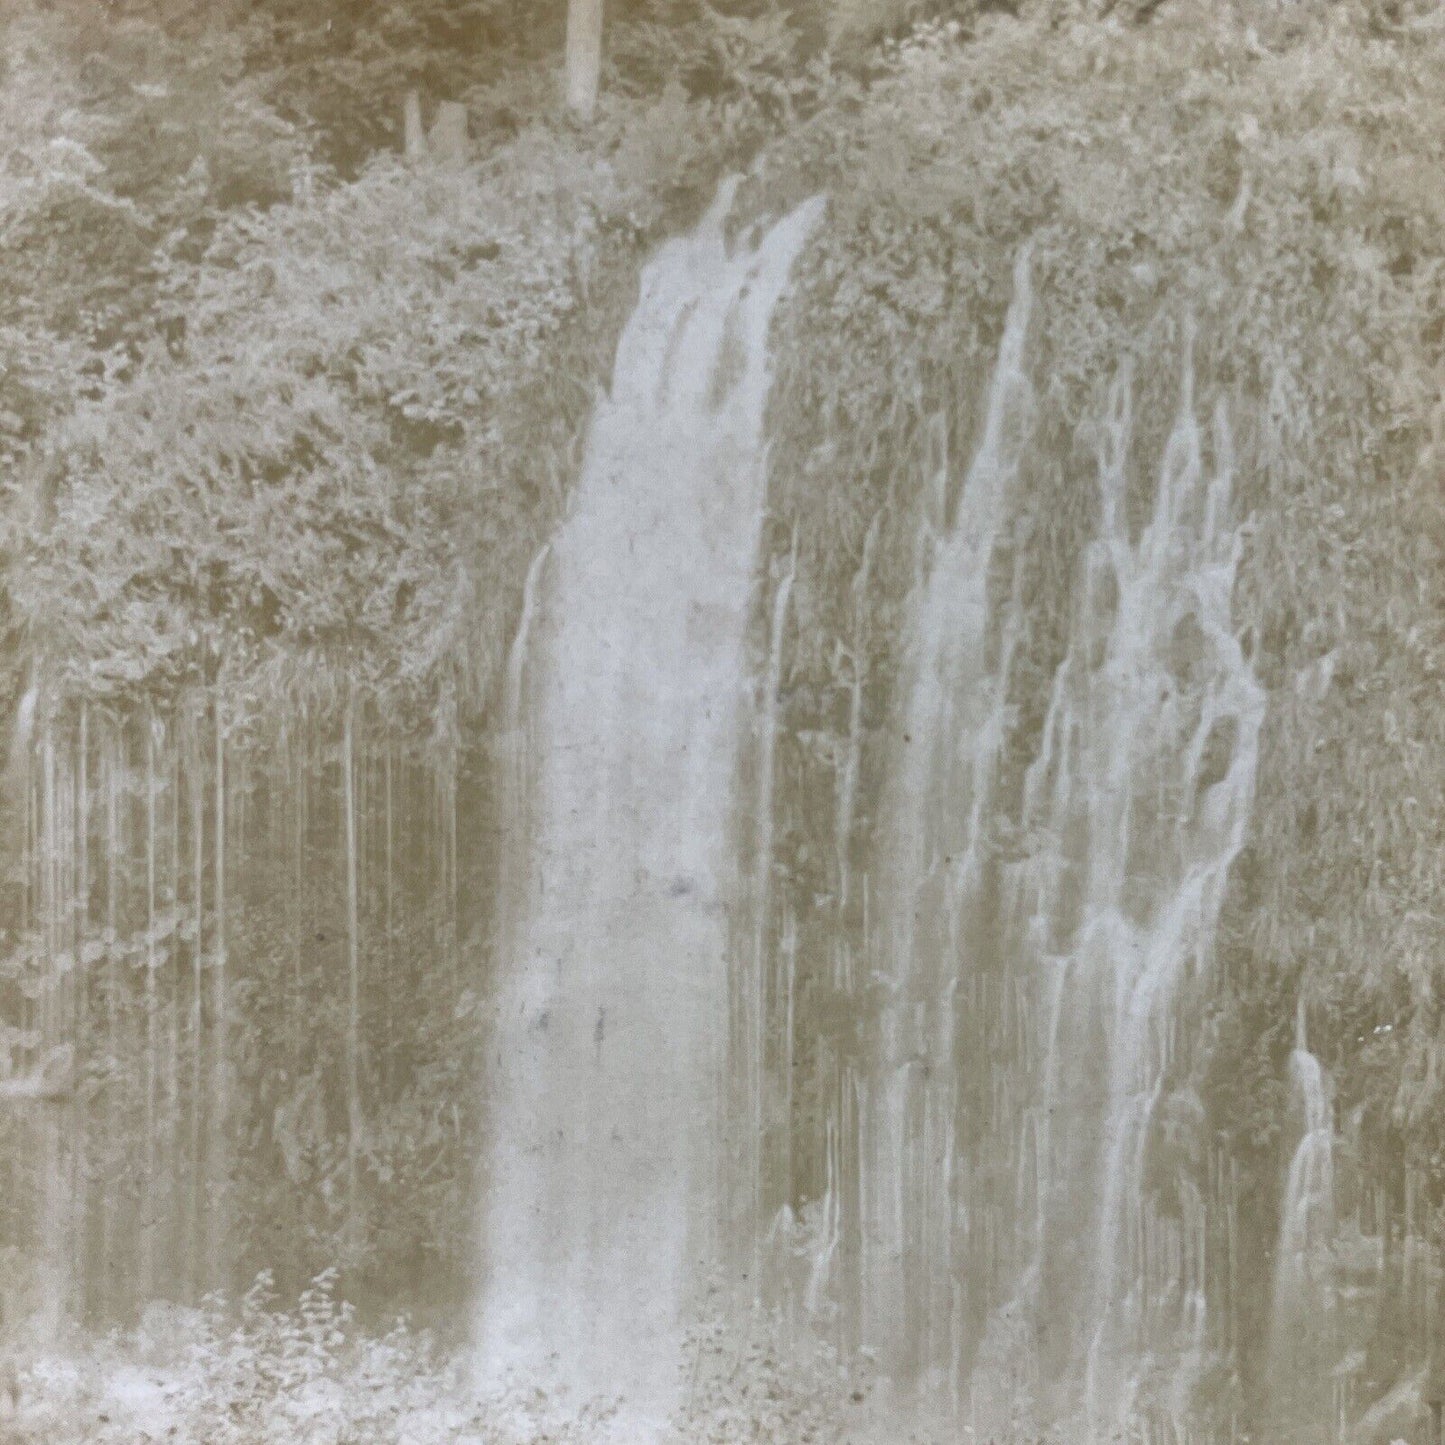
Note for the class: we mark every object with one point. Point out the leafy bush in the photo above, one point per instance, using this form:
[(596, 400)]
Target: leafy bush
[(264, 432), (253, 1376), (263, 1374)]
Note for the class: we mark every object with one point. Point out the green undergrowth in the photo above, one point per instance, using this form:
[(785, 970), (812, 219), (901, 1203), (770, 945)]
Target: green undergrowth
[(288, 433), (302, 1373)]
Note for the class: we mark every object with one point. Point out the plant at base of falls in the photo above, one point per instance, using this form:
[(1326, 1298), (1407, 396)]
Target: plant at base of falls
[(267, 1375), (277, 1355), (302, 1374)]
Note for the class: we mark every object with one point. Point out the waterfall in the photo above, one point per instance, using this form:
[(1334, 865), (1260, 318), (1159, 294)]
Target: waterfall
[(603, 1168), (1140, 795), (1301, 1344), (1035, 1165), (514, 720), (848, 778), (1151, 745), (952, 729), (750, 1048), (516, 754)]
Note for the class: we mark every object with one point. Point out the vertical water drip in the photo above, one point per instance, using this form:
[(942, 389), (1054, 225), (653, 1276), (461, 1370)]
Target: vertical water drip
[(788, 988), (174, 1169), (951, 732), (829, 1233), (1143, 787), (1301, 1342), (601, 1191), (150, 1209), (199, 1274), (354, 1117), (514, 714), (389, 911), (86, 956), (54, 1033), (518, 653), (218, 1151), (848, 779), (751, 1058)]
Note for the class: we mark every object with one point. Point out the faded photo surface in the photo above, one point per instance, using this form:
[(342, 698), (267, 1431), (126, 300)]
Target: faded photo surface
[(724, 721)]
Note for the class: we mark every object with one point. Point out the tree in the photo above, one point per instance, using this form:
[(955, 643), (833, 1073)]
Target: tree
[(584, 56)]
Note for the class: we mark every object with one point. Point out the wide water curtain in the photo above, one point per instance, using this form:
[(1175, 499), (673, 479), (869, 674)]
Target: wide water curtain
[(1033, 1159), (602, 1188), (1012, 1222)]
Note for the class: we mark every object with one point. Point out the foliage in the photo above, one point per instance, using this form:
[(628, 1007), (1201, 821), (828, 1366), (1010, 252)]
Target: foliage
[(265, 429), (276, 482), (256, 1374), (263, 1372)]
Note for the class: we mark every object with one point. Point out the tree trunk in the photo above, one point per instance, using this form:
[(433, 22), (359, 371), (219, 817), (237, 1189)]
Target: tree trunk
[(448, 139), (414, 137), (584, 56)]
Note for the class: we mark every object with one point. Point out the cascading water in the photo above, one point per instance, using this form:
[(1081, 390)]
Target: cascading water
[(603, 1181), (1148, 767), (1301, 1345), (1034, 1171), (952, 731)]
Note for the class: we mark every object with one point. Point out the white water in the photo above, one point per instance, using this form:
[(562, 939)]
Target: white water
[(1142, 791), (947, 764), (602, 1178), (1034, 1162), (1165, 736), (1301, 1344)]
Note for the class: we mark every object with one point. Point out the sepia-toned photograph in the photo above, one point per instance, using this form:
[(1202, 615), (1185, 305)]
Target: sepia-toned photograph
[(722, 722)]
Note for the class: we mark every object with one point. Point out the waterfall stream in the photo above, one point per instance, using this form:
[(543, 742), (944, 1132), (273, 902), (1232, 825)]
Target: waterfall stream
[(947, 763), (1033, 1231), (603, 1173), (1031, 1212), (1301, 1344)]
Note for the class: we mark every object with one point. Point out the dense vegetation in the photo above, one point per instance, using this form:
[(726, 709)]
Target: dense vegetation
[(284, 419)]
